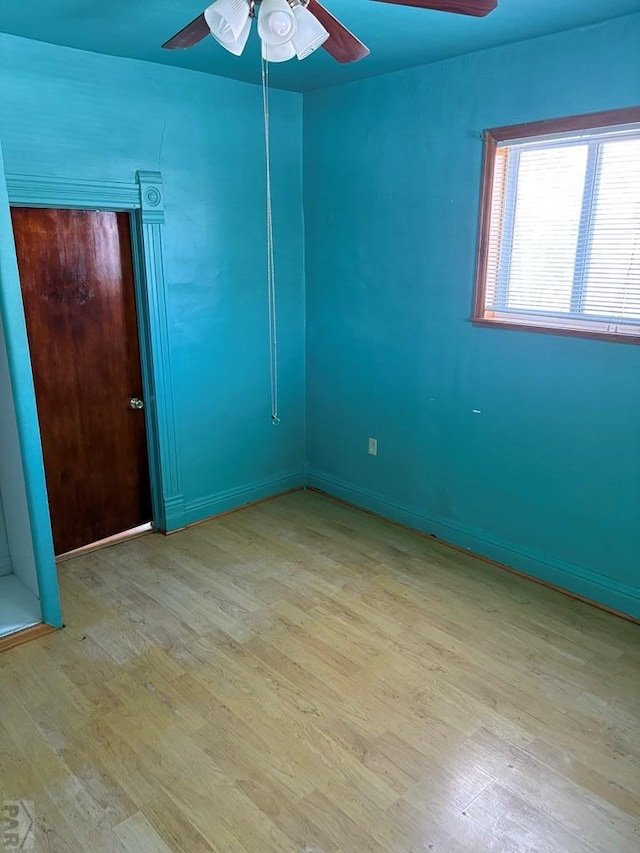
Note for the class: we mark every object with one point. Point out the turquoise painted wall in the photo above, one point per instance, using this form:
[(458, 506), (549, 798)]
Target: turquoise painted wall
[(545, 476), (75, 114)]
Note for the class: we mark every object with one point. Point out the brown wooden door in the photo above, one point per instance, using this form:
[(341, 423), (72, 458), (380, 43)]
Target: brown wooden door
[(76, 273)]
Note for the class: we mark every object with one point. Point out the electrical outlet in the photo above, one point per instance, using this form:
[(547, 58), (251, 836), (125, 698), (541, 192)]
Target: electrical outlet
[(373, 447)]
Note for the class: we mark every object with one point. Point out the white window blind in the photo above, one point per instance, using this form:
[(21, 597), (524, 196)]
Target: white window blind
[(564, 232)]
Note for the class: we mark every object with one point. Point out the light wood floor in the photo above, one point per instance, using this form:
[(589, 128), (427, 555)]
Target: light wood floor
[(300, 676)]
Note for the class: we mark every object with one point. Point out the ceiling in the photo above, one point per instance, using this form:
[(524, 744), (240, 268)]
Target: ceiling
[(398, 37)]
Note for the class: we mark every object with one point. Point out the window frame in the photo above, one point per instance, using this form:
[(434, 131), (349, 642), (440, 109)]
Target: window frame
[(586, 121)]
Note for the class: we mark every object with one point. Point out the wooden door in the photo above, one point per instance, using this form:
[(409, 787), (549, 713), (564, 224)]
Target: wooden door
[(76, 273)]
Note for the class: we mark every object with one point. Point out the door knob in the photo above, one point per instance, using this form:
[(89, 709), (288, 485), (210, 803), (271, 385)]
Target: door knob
[(136, 403)]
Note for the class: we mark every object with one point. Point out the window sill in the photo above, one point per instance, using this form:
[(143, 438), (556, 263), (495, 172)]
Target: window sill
[(556, 330)]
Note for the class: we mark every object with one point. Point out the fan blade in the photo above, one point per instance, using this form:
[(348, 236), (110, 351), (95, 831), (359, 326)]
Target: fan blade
[(477, 8), (190, 35), (341, 44)]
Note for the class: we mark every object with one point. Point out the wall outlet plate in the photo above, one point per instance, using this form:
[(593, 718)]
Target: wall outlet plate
[(373, 447)]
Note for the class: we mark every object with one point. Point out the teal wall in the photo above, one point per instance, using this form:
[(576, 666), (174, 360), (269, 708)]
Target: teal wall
[(545, 475), (81, 115), (521, 447)]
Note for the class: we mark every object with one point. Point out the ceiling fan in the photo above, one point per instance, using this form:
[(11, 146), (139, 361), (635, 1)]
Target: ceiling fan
[(291, 28)]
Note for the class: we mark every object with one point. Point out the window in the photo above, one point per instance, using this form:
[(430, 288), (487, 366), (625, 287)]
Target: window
[(559, 245)]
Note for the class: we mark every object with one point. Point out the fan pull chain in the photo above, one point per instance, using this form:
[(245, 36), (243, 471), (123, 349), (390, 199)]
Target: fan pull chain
[(271, 270)]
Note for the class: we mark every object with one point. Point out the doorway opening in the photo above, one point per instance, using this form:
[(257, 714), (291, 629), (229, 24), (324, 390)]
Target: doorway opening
[(79, 294)]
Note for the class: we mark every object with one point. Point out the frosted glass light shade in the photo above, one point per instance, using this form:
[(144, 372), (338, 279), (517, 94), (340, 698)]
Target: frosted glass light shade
[(227, 14), (230, 43), (278, 52), (310, 33), (276, 22)]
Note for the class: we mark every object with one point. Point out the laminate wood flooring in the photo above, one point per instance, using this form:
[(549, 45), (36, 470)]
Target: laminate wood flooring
[(301, 676)]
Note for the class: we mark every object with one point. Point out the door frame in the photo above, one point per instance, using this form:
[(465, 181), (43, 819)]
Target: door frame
[(144, 201), (27, 443)]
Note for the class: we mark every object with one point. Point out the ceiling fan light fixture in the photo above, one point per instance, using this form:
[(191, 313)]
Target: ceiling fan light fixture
[(225, 15), (278, 52), (276, 23), (309, 35), (234, 45)]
